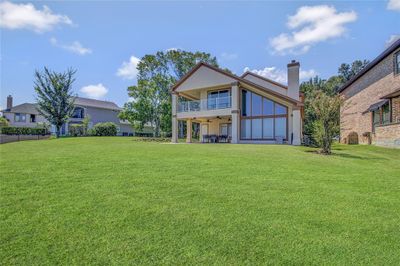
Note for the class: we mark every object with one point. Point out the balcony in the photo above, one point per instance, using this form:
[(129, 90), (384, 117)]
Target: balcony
[(205, 104)]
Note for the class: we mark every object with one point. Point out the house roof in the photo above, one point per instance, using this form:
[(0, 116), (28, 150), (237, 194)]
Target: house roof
[(264, 78), (96, 103), (373, 63), (25, 108), (30, 108), (237, 78)]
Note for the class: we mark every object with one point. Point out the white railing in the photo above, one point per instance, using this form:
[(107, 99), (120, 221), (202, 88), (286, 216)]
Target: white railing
[(205, 104)]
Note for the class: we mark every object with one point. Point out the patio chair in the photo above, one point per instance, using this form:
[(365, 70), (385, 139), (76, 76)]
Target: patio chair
[(213, 138), (206, 138)]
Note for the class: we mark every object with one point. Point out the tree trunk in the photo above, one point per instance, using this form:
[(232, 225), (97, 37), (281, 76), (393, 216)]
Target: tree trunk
[(58, 131)]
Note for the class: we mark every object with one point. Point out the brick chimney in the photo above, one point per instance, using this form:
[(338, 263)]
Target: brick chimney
[(293, 72), (9, 102)]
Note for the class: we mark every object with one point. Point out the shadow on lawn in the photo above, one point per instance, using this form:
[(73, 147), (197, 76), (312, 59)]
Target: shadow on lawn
[(347, 155)]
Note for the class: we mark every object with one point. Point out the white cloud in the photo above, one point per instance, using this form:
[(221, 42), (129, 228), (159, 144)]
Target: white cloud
[(394, 5), (310, 25), (391, 40), (229, 56), (75, 47), (95, 91), (280, 75), (128, 70), (26, 16)]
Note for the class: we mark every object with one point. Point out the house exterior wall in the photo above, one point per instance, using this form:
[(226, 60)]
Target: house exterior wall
[(11, 118), (388, 135), (359, 96), (204, 78)]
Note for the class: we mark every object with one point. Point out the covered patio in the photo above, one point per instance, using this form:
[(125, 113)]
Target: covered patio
[(217, 129)]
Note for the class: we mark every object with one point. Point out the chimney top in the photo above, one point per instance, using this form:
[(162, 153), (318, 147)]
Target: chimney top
[(293, 63), (9, 102)]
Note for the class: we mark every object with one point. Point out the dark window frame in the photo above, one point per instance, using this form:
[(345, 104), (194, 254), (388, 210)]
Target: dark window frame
[(262, 116), (218, 91), (381, 113), (19, 115)]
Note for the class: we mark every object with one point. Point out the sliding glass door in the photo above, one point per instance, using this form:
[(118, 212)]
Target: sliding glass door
[(262, 118)]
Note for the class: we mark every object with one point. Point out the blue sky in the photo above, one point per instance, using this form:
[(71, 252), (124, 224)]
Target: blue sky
[(104, 40)]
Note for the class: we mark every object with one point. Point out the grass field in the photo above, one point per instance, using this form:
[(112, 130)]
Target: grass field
[(118, 201)]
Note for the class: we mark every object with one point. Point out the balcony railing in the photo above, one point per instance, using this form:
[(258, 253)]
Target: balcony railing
[(205, 104)]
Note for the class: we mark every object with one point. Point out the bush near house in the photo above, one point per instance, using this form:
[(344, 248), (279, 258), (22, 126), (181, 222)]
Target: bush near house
[(23, 131), (104, 129), (77, 130)]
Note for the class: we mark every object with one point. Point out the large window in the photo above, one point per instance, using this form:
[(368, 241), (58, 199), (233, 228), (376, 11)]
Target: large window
[(218, 99), (20, 117), (397, 63), (262, 118), (79, 112), (381, 116)]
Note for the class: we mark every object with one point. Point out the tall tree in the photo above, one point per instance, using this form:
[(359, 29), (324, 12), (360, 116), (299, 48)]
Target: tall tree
[(54, 96), (156, 75), (326, 124), (347, 71)]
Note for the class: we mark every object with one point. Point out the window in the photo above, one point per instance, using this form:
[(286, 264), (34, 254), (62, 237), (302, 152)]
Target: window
[(381, 116), (262, 118), (397, 63), (32, 118), (20, 117), (79, 112), (218, 99), (246, 103), (245, 129), (256, 105)]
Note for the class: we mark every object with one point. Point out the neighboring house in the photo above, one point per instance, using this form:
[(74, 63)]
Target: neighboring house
[(26, 115), (371, 109), (246, 109)]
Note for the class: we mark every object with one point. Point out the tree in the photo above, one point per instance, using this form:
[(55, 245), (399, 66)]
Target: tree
[(326, 125), (156, 75), (54, 96), (347, 71)]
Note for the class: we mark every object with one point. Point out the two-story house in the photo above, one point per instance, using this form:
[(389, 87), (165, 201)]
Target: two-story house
[(370, 113), (245, 109), (27, 115)]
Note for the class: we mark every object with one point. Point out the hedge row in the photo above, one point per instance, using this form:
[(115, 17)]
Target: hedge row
[(23, 131)]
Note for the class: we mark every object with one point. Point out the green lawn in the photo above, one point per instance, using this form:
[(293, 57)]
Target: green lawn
[(118, 201)]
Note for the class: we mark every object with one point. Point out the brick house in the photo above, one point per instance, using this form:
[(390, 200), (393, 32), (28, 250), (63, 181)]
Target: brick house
[(370, 113)]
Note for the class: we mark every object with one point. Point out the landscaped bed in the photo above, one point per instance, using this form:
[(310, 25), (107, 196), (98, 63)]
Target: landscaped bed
[(113, 200)]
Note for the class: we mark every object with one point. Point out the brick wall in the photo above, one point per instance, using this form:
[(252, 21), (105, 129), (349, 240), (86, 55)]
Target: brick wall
[(388, 135), (359, 96), (396, 109)]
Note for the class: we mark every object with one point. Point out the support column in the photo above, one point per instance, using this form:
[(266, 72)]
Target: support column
[(189, 131), (296, 128), (174, 138), (235, 112)]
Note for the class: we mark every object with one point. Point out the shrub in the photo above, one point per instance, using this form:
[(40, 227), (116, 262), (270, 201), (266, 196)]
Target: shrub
[(3, 122), (76, 130), (104, 129), (23, 131)]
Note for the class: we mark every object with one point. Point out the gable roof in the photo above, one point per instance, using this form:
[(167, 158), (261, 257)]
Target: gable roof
[(30, 108), (96, 103), (264, 78), (237, 78), (25, 108), (373, 63)]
